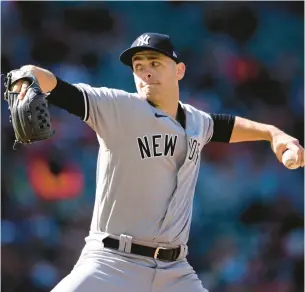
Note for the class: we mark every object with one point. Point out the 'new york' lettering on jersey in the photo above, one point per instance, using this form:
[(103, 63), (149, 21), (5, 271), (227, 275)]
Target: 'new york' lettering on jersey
[(194, 153), (157, 145), (144, 161)]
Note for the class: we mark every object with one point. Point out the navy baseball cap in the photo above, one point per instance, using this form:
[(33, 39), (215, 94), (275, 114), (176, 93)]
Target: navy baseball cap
[(150, 41)]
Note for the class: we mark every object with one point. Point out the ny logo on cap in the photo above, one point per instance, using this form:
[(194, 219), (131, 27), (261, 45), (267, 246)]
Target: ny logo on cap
[(143, 40)]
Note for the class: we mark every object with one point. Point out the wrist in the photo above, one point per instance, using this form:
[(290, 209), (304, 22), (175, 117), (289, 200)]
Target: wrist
[(272, 131), (46, 79)]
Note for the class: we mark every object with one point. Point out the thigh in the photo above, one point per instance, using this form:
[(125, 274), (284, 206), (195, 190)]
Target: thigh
[(189, 283), (106, 276), (179, 277), (85, 278)]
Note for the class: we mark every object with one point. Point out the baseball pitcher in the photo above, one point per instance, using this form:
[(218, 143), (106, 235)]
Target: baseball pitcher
[(148, 163)]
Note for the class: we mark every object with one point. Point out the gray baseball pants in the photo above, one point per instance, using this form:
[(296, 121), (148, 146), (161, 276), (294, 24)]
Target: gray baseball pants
[(103, 270)]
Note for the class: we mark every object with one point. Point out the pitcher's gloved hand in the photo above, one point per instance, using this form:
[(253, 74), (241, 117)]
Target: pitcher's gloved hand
[(28, 106)]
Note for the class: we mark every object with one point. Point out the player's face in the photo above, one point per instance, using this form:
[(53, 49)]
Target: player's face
[(155, 75)]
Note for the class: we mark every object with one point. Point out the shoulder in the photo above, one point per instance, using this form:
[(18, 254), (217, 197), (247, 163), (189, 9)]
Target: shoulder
[(107, 92), (118, 93)]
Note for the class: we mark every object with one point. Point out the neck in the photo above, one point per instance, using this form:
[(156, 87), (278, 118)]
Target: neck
[(170, 108), (168, 105), (173, 111)]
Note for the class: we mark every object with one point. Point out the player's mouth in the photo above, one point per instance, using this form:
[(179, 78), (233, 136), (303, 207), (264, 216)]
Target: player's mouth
[(150, 84)]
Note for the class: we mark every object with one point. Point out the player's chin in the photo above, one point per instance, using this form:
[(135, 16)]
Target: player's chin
[(151, 95), (154, 98)]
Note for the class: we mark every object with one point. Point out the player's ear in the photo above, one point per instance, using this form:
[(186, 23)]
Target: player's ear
[(180, 70)]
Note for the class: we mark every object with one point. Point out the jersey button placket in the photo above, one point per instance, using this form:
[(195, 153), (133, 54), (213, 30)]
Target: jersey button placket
[(172, 205)]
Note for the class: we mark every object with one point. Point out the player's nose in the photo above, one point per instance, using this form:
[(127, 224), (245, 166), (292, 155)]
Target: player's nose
[(147, 76)]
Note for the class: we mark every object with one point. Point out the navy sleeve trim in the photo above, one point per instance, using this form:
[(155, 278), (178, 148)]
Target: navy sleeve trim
[(223, 127), (69, 98), (86, 117), (86, 104)]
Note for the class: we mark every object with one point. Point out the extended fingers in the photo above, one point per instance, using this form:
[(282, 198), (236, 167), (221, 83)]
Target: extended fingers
[(299, 152), (16, 87), (23, 89), (20, 87), (300, 156)]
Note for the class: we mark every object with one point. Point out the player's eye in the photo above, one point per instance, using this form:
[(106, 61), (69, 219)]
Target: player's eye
[(155, 63), (138, 67)]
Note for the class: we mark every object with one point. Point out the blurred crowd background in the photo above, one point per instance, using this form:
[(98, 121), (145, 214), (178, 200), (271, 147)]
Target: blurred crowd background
[(243, 58)]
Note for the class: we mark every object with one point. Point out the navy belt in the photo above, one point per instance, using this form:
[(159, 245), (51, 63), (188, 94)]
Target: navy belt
[(159, 253)]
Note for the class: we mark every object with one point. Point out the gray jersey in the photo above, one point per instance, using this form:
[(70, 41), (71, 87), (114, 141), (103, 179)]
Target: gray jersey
[(147, 165)]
